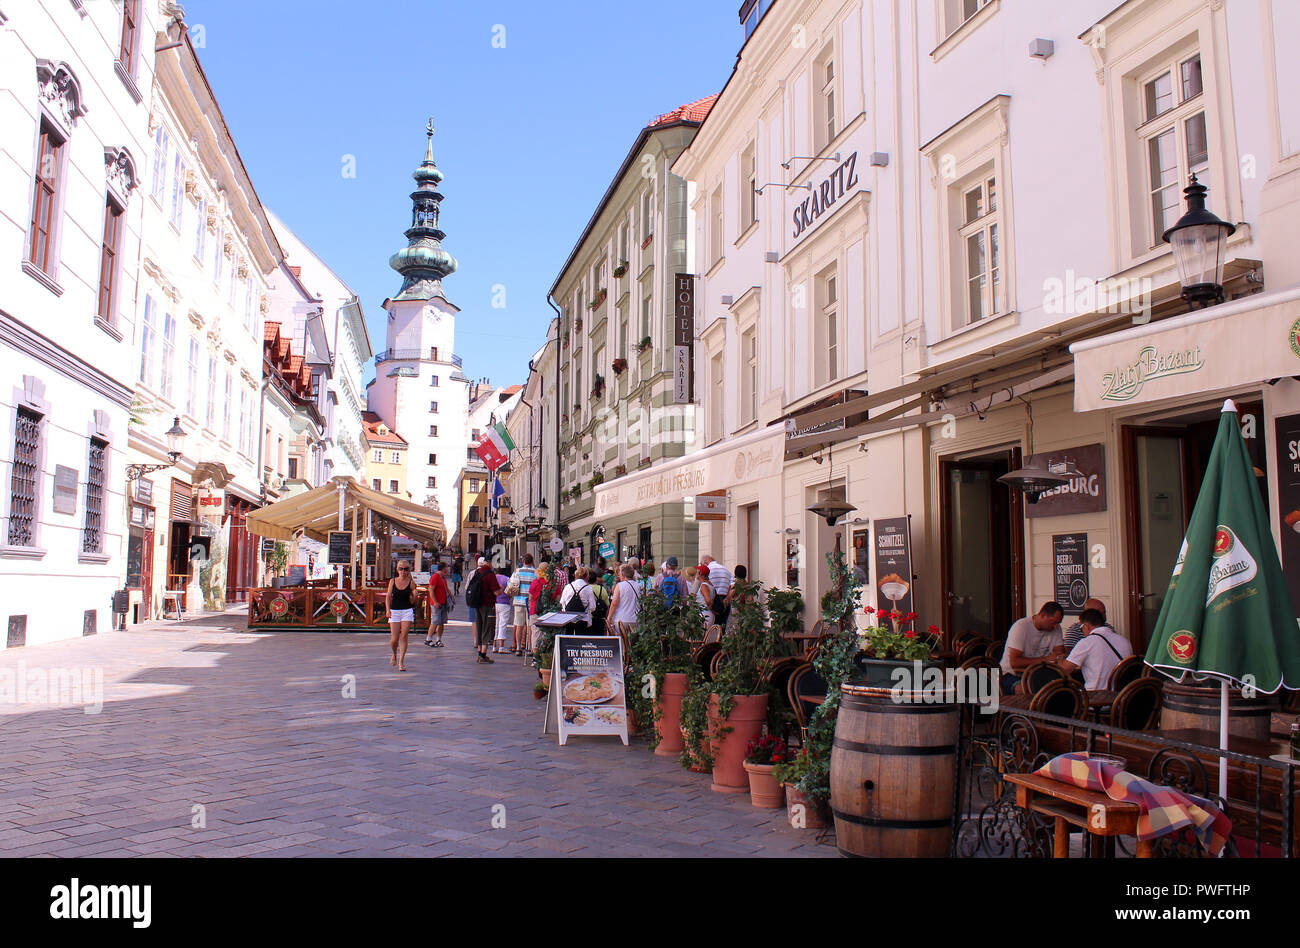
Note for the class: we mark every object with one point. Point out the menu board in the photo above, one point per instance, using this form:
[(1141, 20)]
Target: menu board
[(587, 686), (297, 576), (1288, 500), (372, 553), (893, 574), (340, 548), (1070, 571)]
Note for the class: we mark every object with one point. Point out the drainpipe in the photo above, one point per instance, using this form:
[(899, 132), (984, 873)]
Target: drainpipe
[(559, 325)]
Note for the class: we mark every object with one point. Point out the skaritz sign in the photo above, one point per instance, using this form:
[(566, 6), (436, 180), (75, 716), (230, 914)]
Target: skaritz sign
[(824, 196)]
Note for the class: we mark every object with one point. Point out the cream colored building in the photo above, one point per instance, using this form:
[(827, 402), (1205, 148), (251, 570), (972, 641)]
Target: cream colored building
[(386, 457), (959, 267)]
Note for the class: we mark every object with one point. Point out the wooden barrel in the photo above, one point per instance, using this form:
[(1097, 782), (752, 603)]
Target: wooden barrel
[(1197, 706), (893, 773)]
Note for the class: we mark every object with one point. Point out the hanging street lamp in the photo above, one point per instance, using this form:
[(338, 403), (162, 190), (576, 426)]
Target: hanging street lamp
[(175, 435), (1199, 241)]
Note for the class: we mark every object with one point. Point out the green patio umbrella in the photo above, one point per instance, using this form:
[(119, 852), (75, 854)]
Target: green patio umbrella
[(1227, 614)]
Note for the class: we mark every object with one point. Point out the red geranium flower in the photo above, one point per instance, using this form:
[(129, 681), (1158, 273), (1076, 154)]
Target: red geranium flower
[(934, 630), (909, 634), (868, 610)]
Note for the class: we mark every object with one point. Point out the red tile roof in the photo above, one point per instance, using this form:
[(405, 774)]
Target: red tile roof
[(690, 112), (510, 390), (371, 421), (271, 330), (296, 271)]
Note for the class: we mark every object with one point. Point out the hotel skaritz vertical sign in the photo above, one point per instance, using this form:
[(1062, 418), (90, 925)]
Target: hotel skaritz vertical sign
[(683, 339)]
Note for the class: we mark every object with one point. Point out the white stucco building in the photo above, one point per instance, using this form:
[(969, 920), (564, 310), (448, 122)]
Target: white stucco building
[(75, 85)]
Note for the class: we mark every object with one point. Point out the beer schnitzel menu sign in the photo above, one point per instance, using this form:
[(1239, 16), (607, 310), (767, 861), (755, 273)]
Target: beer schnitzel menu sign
[(587, 686), (894, 565), (1085, 493)]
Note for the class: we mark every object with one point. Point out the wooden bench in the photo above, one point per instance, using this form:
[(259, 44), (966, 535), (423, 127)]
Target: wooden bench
[(1070, 806)]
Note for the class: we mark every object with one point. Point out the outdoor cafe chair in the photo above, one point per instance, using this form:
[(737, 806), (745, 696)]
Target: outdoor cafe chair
[(1128, 670), (1137, 705), (1063, 697), (1037, 676)]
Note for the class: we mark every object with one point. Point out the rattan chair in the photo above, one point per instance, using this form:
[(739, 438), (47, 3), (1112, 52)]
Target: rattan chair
[(1037, 676), (1063, 697), (1128, 670), (1137, 705)]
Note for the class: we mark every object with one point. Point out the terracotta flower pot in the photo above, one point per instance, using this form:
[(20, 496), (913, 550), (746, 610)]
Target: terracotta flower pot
[(546, 677), (764, 790), (801, 813), (745, 723), (669, 717)]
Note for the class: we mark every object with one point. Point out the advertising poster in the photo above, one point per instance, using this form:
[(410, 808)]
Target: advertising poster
[(1070, 571), (1288, 500), (894, 564), (588, 683), (1086, 492)]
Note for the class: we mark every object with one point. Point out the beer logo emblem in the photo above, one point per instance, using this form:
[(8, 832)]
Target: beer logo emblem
[(1182, 647), (339, 606), (1233, 564), (279, 606), (1223, 540), (1295, 337)]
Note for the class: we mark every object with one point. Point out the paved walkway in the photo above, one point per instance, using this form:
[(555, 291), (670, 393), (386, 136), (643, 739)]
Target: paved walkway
[(213, 741)]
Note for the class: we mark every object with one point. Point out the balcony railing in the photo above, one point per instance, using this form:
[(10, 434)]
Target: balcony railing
[(415, 355)]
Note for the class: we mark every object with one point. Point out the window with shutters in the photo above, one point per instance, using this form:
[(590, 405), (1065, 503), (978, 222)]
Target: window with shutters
[(23, 489), (92, 533)]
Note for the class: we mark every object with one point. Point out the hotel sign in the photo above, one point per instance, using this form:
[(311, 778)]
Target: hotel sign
[(683, 338), (824, 196)]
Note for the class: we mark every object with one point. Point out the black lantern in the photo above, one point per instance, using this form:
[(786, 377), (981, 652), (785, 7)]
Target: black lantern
[(175, 435), (1199, 241)]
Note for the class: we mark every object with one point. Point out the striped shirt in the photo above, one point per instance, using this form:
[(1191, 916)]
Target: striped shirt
[(525, 575)]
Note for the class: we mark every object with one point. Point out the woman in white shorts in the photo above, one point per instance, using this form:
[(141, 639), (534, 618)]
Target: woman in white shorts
[(505, 614), (399, 603)]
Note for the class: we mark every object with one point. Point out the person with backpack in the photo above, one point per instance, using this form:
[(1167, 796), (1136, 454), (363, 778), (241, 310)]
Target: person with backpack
[(578, 596), (480, 595), (670, 583), (601, 612), (625, 607)]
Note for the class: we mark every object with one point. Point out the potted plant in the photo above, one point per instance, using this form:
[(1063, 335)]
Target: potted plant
[(598, 299), (803, 811), (890, 644), (577, 324), (620, 366), (597, 477), (621, 270), (278, 560), (598, 386), (740, 690), (762, 755), (643, 345), (660, 649), (540, 689), (620, 470)]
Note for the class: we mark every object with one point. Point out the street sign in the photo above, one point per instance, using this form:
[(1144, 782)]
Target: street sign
[(556, 545), (607, 550)]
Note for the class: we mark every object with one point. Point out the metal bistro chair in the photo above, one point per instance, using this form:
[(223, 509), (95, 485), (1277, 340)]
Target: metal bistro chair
[(1137, 705), (1127, 671), (1064, 697)]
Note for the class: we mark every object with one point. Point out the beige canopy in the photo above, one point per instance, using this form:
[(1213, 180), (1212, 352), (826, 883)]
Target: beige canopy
[(317, 512)]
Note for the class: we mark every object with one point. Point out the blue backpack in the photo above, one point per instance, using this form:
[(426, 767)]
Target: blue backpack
[(670, 587)]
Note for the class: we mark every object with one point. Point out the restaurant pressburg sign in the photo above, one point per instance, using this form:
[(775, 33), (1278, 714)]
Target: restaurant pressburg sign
[(1085, 493)]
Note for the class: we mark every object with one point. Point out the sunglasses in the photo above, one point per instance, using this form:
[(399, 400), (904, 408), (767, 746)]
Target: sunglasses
[(403, 569)]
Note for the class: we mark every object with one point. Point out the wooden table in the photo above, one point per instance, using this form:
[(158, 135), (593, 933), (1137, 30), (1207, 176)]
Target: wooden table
[(1070, 806), (803, 637)]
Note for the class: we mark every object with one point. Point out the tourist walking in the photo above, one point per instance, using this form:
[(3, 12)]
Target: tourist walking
[(698, 587), (441, 602), (455, 575), (480, 595), (720, 579), (520, 587), (399, 604), (625, 607), (505, 612), (578, 596)]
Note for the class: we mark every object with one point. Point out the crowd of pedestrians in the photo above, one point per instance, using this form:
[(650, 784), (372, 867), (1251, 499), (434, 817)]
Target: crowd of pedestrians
[(503, 605)]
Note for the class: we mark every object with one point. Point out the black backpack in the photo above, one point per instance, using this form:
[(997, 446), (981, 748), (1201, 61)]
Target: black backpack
[(575, 601), (474, 591)]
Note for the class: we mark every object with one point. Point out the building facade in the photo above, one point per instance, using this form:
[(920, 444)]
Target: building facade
[(386, 457), (419, 388), (953, 278), (75, 85), (619, 410)]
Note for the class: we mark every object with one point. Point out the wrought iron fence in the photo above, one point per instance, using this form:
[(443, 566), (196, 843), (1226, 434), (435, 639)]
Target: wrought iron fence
[(988, 823)]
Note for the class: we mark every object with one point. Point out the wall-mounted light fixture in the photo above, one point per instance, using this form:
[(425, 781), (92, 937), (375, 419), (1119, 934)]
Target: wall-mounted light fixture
[(793, 158)]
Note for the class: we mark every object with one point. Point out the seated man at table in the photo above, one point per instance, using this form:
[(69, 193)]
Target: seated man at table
[(1098, 652), (1029, 639)]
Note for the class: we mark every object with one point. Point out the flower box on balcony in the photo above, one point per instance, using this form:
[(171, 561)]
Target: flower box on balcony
[(646, 243), (643, 345), (620, 366), (620, 271), (599, 298)]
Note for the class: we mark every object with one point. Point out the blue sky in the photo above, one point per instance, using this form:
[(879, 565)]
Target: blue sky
[(528, 135)]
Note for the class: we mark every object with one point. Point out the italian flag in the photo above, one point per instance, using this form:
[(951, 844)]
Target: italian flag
[(494, 450)]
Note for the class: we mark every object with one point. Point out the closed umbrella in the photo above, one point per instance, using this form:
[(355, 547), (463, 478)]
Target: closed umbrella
[(1227, 614)]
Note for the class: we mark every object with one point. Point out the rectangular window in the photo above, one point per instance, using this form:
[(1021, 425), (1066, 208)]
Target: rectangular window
[(473, 515), (377, 484), (212, 391), (622, 244), (433, 431), (827, 107), (433, 382), (192, 377), (716, 400), (433, 408), (49, 157), (379, 457), (392, 487), (749, 380), (645, 313), (178, 192), (748, 183), (168, 355), (161, 145), (93, 526), (473, 485), (433, 460), (243, 414), (979, 236), (130, 35), (647, 213), (827, 369), (957, 12), (1173, 139), (225, 408), (433, 482), (716, 223), (108, 261), (23, 490), (293, 468), (395, 457), (146, 342), (218, 258), (201, 232)]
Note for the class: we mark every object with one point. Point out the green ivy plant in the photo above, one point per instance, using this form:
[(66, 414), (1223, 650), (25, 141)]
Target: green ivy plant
[(834, 663), (785, 608)]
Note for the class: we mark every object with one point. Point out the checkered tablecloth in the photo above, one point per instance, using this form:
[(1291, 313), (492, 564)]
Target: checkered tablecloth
[(1163, 810)]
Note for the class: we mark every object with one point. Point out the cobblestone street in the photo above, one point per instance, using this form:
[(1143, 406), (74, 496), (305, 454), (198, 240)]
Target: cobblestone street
[(254, 730)]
